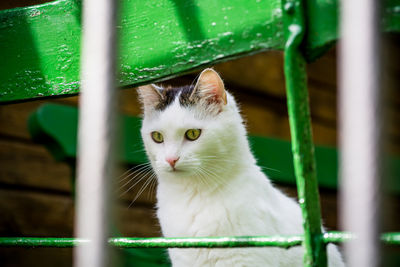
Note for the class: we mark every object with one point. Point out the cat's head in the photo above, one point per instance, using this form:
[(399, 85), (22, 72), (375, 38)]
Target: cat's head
[(191, 131)]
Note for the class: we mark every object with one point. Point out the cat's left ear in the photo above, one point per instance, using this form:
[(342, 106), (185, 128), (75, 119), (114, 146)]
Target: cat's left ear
[(210, 85), (150, 96)]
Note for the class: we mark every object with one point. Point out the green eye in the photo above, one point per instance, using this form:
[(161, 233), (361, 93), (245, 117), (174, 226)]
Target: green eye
[(157, 137), (192, 134)]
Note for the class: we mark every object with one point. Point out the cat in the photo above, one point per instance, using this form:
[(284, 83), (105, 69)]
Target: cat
[(209, 183)]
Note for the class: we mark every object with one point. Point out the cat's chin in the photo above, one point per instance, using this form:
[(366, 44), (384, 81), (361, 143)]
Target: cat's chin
[(175, 173)]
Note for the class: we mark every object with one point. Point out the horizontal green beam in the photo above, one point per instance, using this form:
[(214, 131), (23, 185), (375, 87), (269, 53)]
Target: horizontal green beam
[(40, 45), (191, 242), (55, 126)]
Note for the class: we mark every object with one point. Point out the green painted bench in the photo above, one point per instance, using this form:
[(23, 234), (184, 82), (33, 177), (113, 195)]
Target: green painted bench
[(55, 126)]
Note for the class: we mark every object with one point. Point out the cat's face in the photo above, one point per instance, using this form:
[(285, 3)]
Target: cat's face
[(185, 130)]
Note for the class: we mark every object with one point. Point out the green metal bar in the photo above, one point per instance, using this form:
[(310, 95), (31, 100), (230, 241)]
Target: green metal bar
[(337, 237), (39, 242), (160, 242), (195, 242), (391, 238), (300, 127), (55, 126), (210, 242)]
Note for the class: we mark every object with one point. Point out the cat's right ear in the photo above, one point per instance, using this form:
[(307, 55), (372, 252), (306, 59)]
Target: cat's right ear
[(150, 95)]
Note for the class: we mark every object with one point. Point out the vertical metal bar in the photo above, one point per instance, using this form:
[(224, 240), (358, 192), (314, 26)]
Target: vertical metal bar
[(360, 129), (96, 132), (300, 127)]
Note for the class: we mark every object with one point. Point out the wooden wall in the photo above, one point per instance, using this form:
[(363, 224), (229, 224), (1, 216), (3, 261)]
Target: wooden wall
[(35, 191)]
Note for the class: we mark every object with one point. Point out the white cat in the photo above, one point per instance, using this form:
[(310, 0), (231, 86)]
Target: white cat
[(209, 183)]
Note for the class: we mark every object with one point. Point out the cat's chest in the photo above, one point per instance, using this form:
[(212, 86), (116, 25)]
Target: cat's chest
[(198, 215), (232, 213)]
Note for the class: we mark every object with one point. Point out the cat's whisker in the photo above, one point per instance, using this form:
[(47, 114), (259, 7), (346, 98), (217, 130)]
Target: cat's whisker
[(210, 175), (135, 149), (152, 187), (134, 168), (195, 80), (132, 186), (268, 168), (138, 181), (232, 161), (143, 171), (222, 169), (206, 156), (202, 178), (217, 159), (213, 172), (229, 160), (126, 172), (140, 191), (221, 159), (132, 171), (153, 190)]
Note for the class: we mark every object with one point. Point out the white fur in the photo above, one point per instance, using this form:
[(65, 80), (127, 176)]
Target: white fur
[(218, 189)]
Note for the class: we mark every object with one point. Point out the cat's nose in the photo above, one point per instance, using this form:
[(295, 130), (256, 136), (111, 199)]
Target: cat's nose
[(172, 161)]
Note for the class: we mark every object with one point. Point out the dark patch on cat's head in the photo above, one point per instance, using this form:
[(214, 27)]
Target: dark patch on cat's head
[(209, 93), (169, 95)]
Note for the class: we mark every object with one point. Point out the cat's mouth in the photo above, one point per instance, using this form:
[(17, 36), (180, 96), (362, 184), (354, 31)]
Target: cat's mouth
[(174, 170)]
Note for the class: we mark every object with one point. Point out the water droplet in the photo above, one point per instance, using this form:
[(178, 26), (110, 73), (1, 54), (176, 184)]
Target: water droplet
[(213, 24)]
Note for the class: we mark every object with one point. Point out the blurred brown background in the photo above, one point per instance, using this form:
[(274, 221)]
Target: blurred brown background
[(36, 193)]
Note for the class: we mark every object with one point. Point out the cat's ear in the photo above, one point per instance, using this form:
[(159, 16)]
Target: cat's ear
[(210, 86), (150, 95)]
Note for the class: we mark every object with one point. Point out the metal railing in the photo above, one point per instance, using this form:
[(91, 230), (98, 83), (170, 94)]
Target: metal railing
[(97, 127), (360, 129), (191, 242)]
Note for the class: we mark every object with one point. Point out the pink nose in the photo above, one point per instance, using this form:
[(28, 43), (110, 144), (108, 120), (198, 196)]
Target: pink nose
[(172, 161)]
